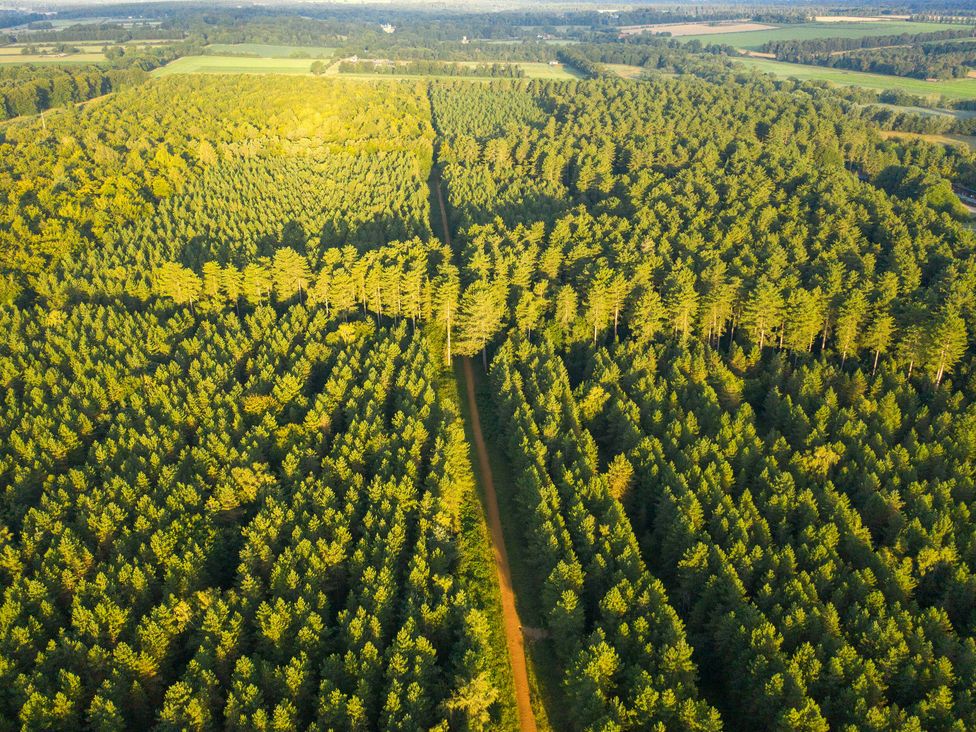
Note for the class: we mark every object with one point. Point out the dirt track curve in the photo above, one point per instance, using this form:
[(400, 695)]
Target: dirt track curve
[(513, 626)]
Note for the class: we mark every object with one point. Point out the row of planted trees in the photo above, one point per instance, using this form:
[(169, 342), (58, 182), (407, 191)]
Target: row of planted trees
[(413, 281)]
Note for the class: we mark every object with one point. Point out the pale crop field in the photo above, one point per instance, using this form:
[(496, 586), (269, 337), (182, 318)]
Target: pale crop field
[(966, 141), (47, 60), (625, 71)]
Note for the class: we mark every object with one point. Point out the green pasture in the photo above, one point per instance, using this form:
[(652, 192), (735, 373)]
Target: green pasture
[(540, 70), (949, 88), (753, 40)]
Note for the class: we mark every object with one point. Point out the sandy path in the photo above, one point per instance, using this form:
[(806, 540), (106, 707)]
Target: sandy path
[(513, 626), (514, 638)]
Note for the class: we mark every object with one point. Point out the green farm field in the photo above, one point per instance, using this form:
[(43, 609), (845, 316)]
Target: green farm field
[(264, 50), (539, 70), (950, 88), (753, 40)]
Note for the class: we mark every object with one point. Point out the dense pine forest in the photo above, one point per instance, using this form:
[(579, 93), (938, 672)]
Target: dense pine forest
[(287, 362), (738, 336)]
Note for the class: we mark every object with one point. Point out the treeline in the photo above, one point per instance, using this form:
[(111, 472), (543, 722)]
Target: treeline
[(588, 68), (111, 32), (30, 88), (921, 122), (431, 68), (398, 49), (658, 53), (953, 12), (792, 50), (10, 18), (652, 51), (26, 91), (399, 281), (942, 61)]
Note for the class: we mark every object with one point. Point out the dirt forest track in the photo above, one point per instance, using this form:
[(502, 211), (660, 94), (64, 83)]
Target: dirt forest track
[(513, 626), (514, 637)]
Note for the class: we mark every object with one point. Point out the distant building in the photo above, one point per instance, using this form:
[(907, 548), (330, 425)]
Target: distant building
[(388, 28), (464, 41)]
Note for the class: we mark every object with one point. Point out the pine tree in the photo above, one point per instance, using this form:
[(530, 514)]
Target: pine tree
[(946, 343), (681, 300), (479, 318), (804, 318), (256, 282), (648, 315), (566, 306), (600, 302), (850, 318), (291, 274), (178, 283), (878, 334), (763, 311), (232, 284), (446, 290)]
